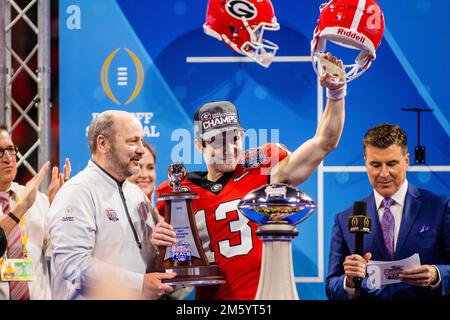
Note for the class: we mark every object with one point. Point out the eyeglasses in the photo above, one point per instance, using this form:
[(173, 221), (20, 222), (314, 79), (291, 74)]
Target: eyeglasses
[(12, 150)]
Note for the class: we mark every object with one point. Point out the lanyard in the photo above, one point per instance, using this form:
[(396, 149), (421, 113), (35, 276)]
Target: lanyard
[(136, 238), (124, 202), (23, 230)]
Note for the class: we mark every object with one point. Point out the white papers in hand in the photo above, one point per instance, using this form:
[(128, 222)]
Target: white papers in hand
[(387, 272)]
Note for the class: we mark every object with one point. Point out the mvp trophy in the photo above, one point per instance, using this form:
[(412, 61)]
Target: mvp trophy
[(186, 257), (277, 208)]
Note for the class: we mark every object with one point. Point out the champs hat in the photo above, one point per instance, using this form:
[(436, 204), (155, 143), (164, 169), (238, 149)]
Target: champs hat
[(215, 117)]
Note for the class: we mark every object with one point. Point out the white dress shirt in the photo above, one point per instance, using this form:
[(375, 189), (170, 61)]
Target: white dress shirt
[(91, 236), (38, 244), (396, 207)]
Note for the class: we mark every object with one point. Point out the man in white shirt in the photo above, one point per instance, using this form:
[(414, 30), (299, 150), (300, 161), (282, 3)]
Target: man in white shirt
[(405, 220), (100, 242), (23, 217)]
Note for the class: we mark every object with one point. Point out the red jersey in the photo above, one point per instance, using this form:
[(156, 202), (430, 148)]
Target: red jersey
[(228, 237)]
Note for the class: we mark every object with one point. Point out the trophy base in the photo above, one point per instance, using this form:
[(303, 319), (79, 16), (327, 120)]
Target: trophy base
[(195, 276), (277, 231), (277, 281)]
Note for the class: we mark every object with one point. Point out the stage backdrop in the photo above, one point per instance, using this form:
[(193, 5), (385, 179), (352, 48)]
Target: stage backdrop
[(151, 58)]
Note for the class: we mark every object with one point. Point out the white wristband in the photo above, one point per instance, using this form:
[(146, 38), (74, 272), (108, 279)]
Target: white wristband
[(337, 94)]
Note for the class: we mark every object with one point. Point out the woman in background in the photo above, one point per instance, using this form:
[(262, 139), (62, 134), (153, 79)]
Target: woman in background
[(147, 178)]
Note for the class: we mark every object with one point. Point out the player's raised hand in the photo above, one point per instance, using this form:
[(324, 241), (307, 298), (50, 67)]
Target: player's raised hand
[(332, 73)]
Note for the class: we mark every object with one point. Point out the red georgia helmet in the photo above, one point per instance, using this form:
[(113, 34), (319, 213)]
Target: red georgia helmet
[(241, 24), (355, 24)]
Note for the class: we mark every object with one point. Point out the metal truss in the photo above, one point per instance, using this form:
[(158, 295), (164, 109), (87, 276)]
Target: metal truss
[(26, 22)]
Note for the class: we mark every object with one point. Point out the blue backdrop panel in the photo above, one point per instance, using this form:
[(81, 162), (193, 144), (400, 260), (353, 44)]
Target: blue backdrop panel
[(132, 55)]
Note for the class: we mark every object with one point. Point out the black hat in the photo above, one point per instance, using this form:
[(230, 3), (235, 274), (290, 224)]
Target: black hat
[(215, 117)]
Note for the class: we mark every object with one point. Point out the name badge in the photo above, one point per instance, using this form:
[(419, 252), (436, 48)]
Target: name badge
[(17, 270)]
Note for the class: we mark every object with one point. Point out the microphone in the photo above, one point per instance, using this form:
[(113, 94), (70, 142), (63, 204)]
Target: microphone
[(359, 224)]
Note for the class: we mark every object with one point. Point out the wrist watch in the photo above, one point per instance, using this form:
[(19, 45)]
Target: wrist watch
[(12, 216)]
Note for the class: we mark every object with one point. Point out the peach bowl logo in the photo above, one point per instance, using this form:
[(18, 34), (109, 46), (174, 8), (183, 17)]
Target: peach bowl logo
[(121, 77), (111, 214)]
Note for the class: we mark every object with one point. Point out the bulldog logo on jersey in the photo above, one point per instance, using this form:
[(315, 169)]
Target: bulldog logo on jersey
[(111, 214), (217, 187)]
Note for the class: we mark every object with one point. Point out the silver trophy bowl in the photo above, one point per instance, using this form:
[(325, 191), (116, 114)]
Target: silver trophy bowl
[(277, 203)]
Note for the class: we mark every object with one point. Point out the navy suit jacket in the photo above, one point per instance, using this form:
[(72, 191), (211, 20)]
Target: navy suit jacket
[(424, 229)]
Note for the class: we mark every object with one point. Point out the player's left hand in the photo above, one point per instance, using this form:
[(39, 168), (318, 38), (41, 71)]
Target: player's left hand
[(326, 78), (422, 276)]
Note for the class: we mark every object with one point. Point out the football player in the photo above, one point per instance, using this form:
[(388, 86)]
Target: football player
[(228, 237)]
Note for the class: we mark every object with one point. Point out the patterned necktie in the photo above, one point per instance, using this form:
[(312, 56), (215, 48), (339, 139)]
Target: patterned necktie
[(18, 290), (388, 226)]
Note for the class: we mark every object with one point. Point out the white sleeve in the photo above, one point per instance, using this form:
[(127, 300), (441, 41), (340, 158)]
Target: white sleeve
[(439, 278), (180, 293), (73, 229), (350, 291), (44, 207)]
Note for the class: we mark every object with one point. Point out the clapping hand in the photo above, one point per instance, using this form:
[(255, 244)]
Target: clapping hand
[(58, 179)]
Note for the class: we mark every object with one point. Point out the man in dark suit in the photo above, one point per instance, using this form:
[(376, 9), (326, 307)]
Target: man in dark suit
[(405, 220)]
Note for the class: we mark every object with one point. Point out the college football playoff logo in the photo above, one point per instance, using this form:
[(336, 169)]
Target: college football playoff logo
[(122, 77), (241, 9)]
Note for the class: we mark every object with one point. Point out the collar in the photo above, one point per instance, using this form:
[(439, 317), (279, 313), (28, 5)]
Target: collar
[(398, 197), (12, 190), (108, 177), (200, 179)]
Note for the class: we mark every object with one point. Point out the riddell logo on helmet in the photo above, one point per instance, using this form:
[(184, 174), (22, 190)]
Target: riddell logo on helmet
[(353, 35)]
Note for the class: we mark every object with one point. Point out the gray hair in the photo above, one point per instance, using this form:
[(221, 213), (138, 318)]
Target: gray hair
[(103, 125)]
